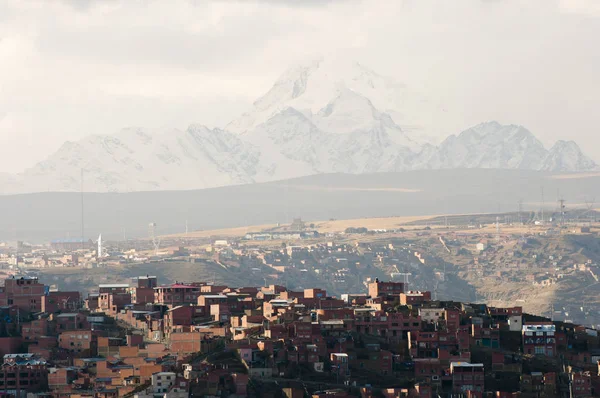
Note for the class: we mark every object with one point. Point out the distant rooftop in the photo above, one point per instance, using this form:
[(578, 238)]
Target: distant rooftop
[(113, 285), (333, 322), (177, 286), (69, 240), (466, 365), (539, 328)]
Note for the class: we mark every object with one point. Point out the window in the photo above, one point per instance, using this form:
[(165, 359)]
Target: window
[(540, 350)]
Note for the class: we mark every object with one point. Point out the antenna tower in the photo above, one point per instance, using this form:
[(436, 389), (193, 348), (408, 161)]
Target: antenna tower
[(589, 204), (82, 215), (99, 253), (562, 211), (520, 205), (497, 229), (542, 205), (155, 239)]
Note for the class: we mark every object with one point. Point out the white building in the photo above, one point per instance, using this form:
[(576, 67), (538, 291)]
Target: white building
[(515, 323)]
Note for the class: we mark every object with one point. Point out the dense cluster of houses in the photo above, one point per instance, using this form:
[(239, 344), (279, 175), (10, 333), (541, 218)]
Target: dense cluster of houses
[(143, 339)]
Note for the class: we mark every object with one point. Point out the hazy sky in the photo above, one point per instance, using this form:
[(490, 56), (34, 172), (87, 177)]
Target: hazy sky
[(79, 67)]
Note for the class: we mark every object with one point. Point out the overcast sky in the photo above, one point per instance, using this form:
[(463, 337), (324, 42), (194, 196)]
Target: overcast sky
[(77, 67)]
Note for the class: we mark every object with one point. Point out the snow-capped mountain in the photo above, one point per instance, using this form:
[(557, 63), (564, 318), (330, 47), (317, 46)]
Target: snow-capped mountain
[(138, 159), (311, 87), (317, 118), (567, 156), (488, 145)]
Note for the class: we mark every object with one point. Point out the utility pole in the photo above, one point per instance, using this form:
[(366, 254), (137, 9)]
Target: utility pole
[(82, 215), (542, 208), (497, 229)]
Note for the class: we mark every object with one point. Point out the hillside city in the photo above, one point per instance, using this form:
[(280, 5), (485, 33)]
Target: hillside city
[(299, 199), (454, 306), (146, 339)]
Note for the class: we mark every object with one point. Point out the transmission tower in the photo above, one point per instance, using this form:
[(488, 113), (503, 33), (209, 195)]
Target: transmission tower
[(520, 206), (155, 239), (543, 204), (589, 204), (497, 229), (562, 211)]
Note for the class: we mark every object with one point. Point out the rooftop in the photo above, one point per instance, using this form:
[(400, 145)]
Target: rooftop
[(539, 328), (67, 315), (177, 286), (113, 285), (333, 322), (466, 365), (69, 240)]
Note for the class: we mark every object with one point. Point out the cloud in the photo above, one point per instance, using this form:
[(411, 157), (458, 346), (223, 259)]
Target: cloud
[(76, 67), (584, 7)]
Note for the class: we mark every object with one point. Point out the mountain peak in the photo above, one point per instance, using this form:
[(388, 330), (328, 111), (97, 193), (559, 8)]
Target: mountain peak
[(319, 117), (311, 86), (567, 156)]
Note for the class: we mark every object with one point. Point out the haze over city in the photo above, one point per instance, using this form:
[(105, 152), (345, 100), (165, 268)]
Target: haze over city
[(299, 199)]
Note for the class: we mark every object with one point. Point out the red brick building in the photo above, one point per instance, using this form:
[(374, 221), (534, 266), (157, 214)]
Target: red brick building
[(61, 301), (176, 294), (24, 293), (539, 339), (79, 341), (378, 288), (414, 297), (581, 384), (467, 377), (145, 282), (23, 372)]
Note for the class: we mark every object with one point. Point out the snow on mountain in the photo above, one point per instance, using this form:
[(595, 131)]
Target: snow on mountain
[(138, 160), (311, 87), (489, 145), (567, 156), (290, 146), (321, 117), (351, 112), (294, 145)]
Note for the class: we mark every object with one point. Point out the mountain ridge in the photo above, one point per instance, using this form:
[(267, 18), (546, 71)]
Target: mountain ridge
[(312, 121)]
